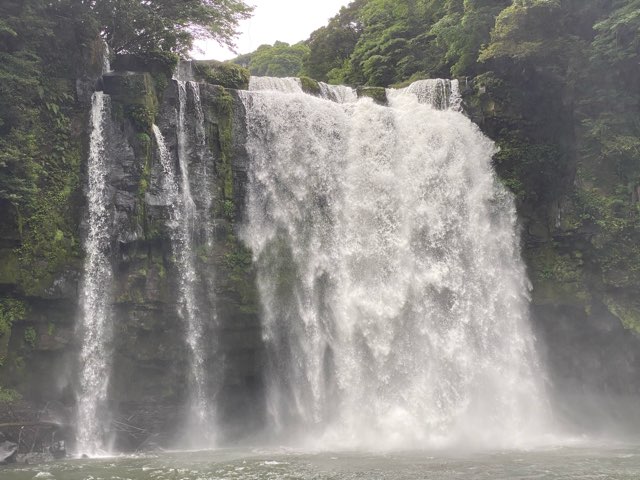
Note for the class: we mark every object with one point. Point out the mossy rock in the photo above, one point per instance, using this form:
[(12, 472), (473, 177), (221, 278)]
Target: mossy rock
[(128, 87), (228, 75), (134, 95), (310, 86), (558, 279), (11, 311), (378, 94), (626, 312), (141, 116), (9, 267), (151, 62)]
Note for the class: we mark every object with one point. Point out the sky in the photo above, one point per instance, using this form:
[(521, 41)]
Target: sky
[(286, 20)]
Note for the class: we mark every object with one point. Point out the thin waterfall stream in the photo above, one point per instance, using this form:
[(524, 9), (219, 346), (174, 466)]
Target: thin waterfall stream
[(395, 301), (95, 301), (191, 311), (185, 222)]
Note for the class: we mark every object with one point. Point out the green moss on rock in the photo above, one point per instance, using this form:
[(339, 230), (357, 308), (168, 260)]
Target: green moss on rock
[(11, 311), (141, 116), (228, 75), (238, 264), (135, 96), (30, 336), (310, 86), (9, 396), (9, 267), (378, 94), (557, 278), (223, 103), (629, 315)]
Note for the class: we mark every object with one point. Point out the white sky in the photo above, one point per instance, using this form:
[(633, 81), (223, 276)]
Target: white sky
[(286, 20)]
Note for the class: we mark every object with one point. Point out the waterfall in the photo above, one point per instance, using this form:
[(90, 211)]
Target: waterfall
[(288, 84), (95, 321), (441, 94), (338, 93), (394, 298), (206, 162), (191, 311), (183, 231)]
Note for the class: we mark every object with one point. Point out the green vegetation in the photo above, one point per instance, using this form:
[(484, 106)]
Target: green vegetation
[(30, 336), (227, 75), (39, 157), (132, 26), (45, 47), (378, 94), (9, 396), (224, 134), (277, 60), (11, 311), (238, 266), (330, 47), (310, 86)]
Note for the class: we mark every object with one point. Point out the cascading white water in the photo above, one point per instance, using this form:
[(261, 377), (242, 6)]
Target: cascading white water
[(206, 163), (335, 93), (95, 321), (106, 62), (395, 301), (440, 93), (287, 84), (338, 93)]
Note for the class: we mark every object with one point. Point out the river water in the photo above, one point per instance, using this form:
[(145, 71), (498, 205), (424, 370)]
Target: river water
[(603, 462)]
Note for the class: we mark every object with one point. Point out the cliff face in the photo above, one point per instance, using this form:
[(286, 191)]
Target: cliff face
[(578, 229), (150, 367)]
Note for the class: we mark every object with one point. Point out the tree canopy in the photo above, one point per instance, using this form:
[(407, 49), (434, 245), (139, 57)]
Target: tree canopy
[(277, 60), (136, 26)]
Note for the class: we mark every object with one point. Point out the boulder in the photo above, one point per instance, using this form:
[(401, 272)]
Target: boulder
[(58, 449), (228, 75), (8, 451), (378, 94)]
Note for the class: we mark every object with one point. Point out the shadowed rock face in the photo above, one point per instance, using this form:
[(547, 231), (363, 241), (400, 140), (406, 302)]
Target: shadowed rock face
[(150, 374), (8, 451), (149, 365)]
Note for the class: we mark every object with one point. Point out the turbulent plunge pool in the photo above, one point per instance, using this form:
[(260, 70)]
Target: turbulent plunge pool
[(553, 463)]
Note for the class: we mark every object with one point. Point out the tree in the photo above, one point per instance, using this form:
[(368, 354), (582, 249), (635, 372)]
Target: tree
[(331, 46), (140, 26), (463, 31), (277, 60)]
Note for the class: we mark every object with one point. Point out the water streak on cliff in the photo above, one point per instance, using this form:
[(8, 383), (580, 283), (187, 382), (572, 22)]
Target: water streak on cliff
[(441, 93), (205, 162), (288, 84), (338, 93), (95, 319), (182, 227), (395, 301)]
